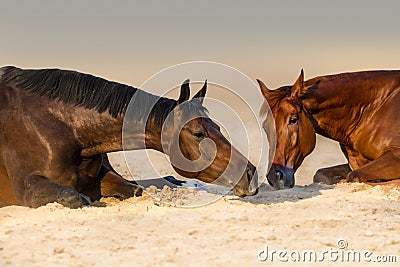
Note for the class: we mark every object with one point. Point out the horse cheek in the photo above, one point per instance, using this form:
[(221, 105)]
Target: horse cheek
[(308, 135), (294, 137)]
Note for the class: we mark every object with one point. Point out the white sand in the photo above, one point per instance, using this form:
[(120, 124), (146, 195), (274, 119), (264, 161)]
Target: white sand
[(229, 232)]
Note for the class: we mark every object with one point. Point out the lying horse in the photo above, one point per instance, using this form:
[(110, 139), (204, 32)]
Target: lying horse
[(57, 125), (359, 110)]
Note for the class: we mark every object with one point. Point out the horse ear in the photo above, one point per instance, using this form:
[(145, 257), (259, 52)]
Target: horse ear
[(264, 89), (202, 93), (298, 87), (185, 92)]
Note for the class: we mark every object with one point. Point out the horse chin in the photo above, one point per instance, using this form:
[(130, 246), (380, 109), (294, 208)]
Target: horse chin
[(269, 179), (244, 193)]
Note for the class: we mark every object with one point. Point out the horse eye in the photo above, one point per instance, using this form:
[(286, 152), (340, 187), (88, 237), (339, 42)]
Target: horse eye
[(199, 134), (293, 120)]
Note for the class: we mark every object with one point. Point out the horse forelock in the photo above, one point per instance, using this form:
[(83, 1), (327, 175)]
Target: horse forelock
[(195, 106), (274, 98)]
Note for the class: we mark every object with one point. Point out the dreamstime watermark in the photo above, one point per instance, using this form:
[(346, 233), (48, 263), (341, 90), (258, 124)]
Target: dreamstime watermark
[(340, 253), (188, 138)]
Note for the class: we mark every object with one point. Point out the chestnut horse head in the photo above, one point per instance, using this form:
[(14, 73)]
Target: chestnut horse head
[(295, 133)]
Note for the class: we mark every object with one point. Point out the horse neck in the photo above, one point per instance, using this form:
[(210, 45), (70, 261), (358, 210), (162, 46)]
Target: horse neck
[(144, 121), (104, 134), (336, 108), (156, 122), (139, 127), (95, 132)]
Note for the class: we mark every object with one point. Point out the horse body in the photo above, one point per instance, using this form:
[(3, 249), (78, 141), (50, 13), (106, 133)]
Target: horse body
[(44, 138), (57, 126), (359, 110)]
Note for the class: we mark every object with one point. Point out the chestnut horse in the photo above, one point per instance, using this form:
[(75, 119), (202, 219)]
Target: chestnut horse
[(360, 110), (57, 126)]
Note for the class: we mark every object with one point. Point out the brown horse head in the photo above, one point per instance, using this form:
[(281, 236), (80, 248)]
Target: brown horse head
[(295, 133), (198, 149)]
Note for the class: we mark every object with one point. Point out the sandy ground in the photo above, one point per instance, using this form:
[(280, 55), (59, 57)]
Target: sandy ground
[(229, 232)]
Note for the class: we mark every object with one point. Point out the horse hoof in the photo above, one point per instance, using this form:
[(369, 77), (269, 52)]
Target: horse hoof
[(70, 198), (85, 200), (174, 181), (354, 177), (321, 177), (138, 191)]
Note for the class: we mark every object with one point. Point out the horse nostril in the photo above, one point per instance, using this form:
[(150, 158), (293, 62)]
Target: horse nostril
[(248, 174), (279, 176)]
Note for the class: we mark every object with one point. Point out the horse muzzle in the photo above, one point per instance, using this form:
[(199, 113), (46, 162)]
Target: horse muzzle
[(248, 184), (280, 177)]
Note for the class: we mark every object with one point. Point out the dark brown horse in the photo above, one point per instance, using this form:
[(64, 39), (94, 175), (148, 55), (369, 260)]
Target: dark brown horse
[(57, 125), (359, 110)]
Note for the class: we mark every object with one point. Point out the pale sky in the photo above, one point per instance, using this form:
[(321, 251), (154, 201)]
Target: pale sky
[(128, 41)]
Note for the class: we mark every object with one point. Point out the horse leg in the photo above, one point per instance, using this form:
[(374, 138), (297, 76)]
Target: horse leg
[(335, 174), (38, 190), (114, 185), (386, 168), (99, 179), (33, 190), (332, 175), (169, 178), (382, 182)]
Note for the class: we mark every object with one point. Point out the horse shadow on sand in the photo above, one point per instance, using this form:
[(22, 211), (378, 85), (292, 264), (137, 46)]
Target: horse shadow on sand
[(266, 194)]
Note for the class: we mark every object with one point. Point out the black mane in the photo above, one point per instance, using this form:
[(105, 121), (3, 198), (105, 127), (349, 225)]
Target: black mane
[(72, 87), (92, 92)]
